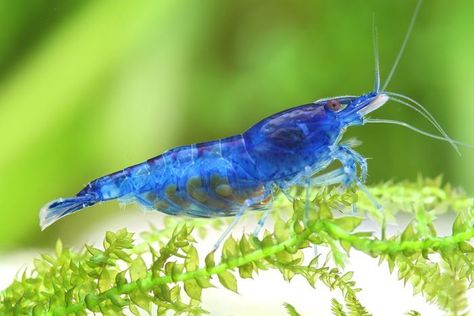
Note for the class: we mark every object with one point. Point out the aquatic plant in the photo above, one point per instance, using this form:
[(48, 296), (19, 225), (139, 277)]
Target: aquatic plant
[(162, 270)]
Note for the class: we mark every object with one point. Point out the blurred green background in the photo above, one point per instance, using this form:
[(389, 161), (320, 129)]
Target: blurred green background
[(90, 87)]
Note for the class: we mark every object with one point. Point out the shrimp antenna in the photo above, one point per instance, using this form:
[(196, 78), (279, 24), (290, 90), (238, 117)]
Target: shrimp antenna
[(394, 122), (424, 112), (376, 55), (404, 44)]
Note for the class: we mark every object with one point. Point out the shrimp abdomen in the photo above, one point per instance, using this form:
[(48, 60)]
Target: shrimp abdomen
[(202, 180)]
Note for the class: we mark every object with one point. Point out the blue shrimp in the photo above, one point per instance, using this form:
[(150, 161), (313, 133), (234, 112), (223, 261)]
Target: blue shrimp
[(226, 177)]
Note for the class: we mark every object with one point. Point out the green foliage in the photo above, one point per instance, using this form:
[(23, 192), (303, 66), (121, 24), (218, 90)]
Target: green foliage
[(353, 306), (291, 310), (162, 270), (337, 308)]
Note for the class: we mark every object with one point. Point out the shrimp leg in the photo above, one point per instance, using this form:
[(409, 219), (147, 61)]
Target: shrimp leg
[(231, 226), (347, 174), (329, 178), (349, 158), (306, 211), (332, 177), (264, 217), (261, 222), (247, 203)]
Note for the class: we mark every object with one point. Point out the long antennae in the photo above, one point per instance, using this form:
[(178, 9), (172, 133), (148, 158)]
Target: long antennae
[(384, 121), (423, 111), (376, 55), (402, 48)]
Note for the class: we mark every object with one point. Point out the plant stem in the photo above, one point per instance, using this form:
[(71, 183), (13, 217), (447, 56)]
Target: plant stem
[(364, 244)]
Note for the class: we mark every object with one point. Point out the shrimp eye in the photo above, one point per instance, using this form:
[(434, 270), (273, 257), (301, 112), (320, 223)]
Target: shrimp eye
[(334, 105)]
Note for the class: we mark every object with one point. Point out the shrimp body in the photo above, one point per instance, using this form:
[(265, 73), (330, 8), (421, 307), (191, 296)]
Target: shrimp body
[(202, 180), (218, 178)]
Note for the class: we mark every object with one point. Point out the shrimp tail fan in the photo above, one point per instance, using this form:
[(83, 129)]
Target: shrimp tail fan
[(59, 208)]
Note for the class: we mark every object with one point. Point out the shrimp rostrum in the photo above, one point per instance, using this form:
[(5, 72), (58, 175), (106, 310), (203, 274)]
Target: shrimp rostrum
[(225, 177)]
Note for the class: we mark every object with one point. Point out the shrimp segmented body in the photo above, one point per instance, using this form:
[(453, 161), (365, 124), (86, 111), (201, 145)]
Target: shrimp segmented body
[(219, 178)]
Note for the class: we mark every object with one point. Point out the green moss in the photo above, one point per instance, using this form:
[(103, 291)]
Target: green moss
[(116, 278)]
